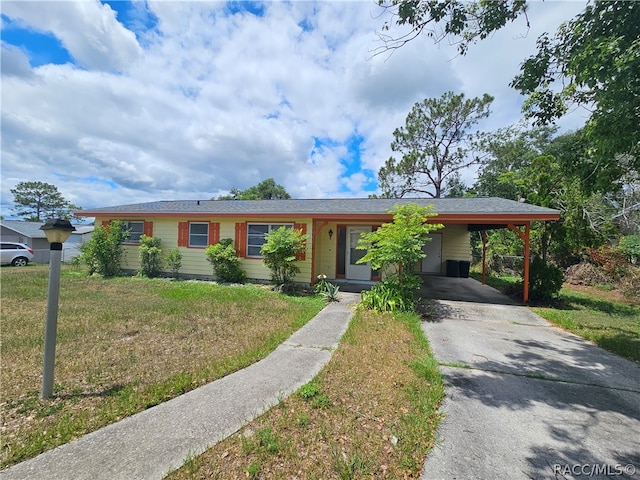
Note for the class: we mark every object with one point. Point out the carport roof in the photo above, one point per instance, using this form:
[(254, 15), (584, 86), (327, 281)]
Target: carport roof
[(467, 209)]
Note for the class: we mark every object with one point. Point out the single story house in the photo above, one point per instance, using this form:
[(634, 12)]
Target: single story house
[(333, 227), (29, 233)]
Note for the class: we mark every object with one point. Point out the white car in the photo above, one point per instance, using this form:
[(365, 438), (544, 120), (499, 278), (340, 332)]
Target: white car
[(16, 254)]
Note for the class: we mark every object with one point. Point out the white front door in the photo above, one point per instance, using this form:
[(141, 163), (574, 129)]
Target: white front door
[(356, 271), (432, 263)]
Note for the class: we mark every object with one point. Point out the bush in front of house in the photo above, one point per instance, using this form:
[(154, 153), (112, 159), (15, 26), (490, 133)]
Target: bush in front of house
[(173, 260), (394, 249), (151, 260), (225, 261), (103, 252), (280, 253)]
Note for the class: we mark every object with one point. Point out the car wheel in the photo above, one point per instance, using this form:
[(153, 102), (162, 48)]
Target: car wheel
[(20, 262)]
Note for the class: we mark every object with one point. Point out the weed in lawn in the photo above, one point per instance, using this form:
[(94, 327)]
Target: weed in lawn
[(309, 390), (302, 419), (253, 470)]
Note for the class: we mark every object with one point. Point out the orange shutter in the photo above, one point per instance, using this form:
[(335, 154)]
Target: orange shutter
[(241, 239), (148, 229), (214, 233), (301, 226), (183, 234)]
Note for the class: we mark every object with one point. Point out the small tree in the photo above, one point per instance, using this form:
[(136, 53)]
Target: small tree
[(150, 256), (103, 253), (174, 262), (280, 252), (395, 248), (225, 261)]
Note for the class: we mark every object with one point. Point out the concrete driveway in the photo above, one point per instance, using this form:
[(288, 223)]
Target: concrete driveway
[(525, 399)]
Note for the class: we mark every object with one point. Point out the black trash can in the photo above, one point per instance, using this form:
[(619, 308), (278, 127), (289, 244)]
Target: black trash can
[(464, 268), (453, 268)]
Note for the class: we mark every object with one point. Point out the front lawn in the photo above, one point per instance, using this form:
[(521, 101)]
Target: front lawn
[(371, 413), (124, 345)]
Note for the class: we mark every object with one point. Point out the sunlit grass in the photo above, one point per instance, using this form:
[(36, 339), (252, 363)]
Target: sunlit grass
[(371, 413), (123, 345)]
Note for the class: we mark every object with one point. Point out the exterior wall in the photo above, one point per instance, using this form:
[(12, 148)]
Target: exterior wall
[(194, 261), (456, 244)]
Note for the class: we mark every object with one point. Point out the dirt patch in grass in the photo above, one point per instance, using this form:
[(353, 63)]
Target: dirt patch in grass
[(371, 413), (124, 345)]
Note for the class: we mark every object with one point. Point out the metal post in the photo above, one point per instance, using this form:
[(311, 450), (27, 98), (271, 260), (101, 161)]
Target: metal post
[(51, 325)]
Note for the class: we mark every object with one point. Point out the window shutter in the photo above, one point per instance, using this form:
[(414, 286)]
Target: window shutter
[(148, 229), (183, 234), (241, 239), (214, 233), (301, 226)]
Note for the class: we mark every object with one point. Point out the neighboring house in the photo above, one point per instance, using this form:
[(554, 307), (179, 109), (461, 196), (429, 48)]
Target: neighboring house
[(333, 227), (30, 234)]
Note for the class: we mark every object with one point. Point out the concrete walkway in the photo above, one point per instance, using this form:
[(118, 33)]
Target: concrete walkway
[(526, 399), (152, 443)]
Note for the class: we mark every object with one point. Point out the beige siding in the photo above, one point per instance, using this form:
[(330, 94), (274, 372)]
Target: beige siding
[(455, 246), (194, 261), (456, 243)]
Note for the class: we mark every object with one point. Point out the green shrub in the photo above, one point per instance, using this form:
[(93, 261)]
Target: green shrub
[(225, 261), (150, 256), (630, 246), (174, 262), (392, 296), (280, 253), (103, 252), (545, 280)]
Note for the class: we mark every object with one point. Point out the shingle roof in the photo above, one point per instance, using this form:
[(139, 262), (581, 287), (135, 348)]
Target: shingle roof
[(334, 206), (27, 229)]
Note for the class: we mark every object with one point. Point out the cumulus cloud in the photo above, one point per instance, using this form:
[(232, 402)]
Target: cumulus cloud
[(89, 30), (14, 62), (209, 99)]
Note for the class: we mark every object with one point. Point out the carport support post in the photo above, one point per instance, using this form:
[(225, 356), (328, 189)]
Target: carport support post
[(484, 257), (525, 273)]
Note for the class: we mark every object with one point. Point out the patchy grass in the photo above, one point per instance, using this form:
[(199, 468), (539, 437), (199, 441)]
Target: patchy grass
[(371, 413), (124, 345), (605, 318)]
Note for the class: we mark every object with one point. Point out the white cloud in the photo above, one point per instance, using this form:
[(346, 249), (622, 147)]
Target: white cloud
[(214, 100), (87, 29)]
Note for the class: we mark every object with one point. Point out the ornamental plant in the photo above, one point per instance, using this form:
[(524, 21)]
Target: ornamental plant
[(225, 261), (103, 252), (150, 253), (280, 253), (394, 249), (327, 290)]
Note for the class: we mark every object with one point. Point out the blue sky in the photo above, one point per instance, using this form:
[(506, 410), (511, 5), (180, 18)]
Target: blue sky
[(119, 102)]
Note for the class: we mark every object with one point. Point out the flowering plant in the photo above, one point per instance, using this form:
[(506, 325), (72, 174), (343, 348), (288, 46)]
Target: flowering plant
[(327, 289)]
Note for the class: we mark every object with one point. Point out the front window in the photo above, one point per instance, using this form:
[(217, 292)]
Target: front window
[(135, 229), (256, 233), (198, 234)]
